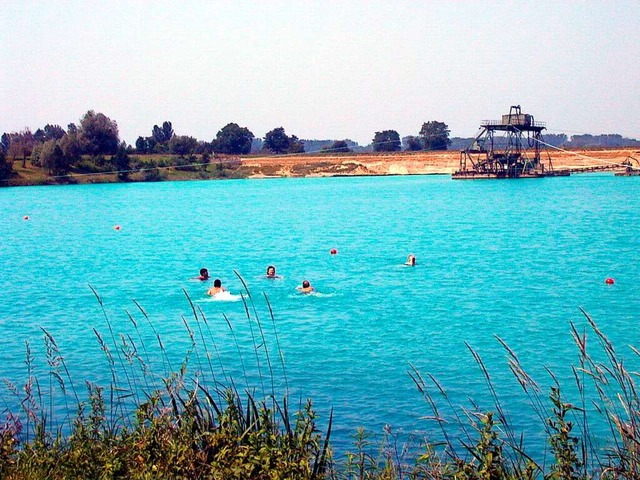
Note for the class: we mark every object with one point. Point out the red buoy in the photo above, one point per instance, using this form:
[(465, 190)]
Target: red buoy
[(333, 251), (609, 281)]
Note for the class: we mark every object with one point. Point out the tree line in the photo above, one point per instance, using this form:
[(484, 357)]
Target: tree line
[(94, 145)]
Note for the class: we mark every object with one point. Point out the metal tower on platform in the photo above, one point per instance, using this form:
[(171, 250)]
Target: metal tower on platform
[(506, 148)]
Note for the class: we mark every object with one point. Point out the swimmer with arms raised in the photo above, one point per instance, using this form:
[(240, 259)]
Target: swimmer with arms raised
[(306, 287), (217, 288)]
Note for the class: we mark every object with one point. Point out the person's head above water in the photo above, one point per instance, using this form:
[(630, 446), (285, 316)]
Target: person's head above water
[(204, 273), (271, 271), (411, 260), (306, 284), (217, 288)]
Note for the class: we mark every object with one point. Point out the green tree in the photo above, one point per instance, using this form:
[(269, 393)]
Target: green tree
[(72, 147), (21, 145), (53, 132), (233, 139), (53, 159), (297, 145), (158, 141), (122, 162), (5, 167), (39, 136), (35, 155), (386, 141), (152, 145), (435, 135), (99, 134), (276, 141), (142, 145), (5, 140), (339, 146), (412, 143), (162, 136), (182, 145)]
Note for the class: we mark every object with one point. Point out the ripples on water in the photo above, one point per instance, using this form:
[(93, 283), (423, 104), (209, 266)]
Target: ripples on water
[(508, 258)]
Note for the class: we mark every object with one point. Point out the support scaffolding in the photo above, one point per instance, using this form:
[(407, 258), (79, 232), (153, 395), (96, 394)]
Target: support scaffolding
[(507, 148)]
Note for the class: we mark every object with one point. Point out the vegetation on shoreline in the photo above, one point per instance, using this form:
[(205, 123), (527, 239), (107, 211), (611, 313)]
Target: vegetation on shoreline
[(167, 167), (92, 151), (141, 168), (195, 421)]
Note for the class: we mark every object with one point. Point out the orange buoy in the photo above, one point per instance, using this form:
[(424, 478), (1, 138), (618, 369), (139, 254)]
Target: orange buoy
[(26, 217), (116, 227), (333, 251), (609, 281)]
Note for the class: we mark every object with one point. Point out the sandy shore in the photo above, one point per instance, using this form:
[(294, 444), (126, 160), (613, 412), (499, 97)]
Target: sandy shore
[(321, 165), (408, 163)]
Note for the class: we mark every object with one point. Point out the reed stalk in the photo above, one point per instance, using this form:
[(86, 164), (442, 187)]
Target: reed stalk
[(187, 427)]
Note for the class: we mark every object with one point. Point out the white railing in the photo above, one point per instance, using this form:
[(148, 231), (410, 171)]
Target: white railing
[(488, 123)]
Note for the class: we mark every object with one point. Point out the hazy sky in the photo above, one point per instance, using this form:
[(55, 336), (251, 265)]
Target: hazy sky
[(320, 69)]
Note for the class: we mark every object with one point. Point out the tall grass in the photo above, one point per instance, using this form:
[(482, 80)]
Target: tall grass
[(196, 420), (191, 421)]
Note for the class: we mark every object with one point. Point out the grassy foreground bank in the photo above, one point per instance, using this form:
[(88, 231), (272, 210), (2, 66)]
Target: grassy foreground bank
[(142, 168), (194, 421)]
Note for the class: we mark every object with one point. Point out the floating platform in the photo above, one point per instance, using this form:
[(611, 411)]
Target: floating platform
[(628, 173), (630, 170), (473, 175), (507, 148), (511, 148)]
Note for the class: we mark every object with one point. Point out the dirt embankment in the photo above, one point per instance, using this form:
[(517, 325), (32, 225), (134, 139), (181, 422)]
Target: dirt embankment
[(309, 165), (408, 163)]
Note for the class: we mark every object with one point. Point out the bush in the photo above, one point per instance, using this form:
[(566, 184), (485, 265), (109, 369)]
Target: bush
[(186, 164), (87, 166), (5, 167), (153, 175)]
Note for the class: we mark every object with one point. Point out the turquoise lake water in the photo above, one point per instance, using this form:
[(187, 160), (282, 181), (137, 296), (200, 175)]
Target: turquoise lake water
[(514, 259)]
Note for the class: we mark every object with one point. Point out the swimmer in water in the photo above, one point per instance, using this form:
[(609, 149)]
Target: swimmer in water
[(217, 288), (271, 272), (204, 274), (411, 261), (306, 287)]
